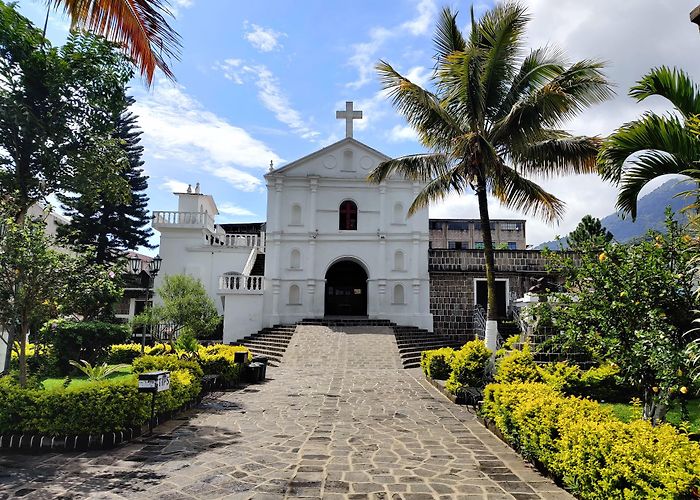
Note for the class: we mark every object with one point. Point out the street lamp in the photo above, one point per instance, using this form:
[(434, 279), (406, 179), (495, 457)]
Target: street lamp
[(153, 269)]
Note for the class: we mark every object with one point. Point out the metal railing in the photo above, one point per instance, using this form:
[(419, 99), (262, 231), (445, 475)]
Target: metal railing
[(479, 322), (241, 283)]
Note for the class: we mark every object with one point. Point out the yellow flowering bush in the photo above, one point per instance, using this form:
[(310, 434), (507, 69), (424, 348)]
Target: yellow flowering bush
[(468, 366), (219, 359), (435, 363), (594, 454)]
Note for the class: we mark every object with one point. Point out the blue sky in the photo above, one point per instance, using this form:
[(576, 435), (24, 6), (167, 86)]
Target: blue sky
[(261, 81)]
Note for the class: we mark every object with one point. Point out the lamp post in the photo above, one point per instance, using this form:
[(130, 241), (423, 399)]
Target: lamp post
[(153, 269)]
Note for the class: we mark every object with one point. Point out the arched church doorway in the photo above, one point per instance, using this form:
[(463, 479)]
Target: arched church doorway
[(346, 289)]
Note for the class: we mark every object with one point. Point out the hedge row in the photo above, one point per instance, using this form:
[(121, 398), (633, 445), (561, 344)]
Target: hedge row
[(106, 406), (593, 453)]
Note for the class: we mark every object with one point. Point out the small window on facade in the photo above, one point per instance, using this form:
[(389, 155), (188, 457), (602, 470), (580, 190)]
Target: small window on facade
[(512, 245), (510, 226), (458, 225), (398, 295), (430, 245), (479, 245), (294, 295), (398, 261), (347, 216), (295, 259), (477, 226), (295, 219), (435, 225), (399, 217), (456, 245)]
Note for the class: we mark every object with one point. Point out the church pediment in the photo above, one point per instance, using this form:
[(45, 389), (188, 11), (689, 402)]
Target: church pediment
[(348, 158)]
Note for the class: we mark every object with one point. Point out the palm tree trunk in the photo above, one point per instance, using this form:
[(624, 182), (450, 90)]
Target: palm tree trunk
[(491, 333)]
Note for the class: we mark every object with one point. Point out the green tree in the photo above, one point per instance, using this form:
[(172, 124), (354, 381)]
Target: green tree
[(56, 114), (631, 305), (31, 279), (98, 224), (654, 145), (185, 305), (494, 120), (589, 234)]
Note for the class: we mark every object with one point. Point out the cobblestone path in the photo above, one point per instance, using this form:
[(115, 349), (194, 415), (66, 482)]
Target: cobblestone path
[(338, 419)]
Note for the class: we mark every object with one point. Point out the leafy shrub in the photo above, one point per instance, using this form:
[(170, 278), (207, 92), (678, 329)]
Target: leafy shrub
[(186, 341), (604, 384), (436, 362), (82, 339), (159, 349), (218, 359), (517, 366), (123, 353), (469, 366), (561, 376), (168, 362), (593, 453), (106, 406), (41, 359)]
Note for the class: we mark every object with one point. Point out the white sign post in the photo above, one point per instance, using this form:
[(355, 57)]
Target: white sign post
[(154, 382)]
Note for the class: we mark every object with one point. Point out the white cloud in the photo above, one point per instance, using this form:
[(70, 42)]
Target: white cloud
[(274, 99), (424, 18), (402, 133), (242, 181), (263, 39), (364, 56), (419, 75), (232, 69), (174, 185), (178, 128), (228, 208)]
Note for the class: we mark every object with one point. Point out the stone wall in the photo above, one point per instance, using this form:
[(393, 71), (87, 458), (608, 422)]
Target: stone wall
[(452, 274)]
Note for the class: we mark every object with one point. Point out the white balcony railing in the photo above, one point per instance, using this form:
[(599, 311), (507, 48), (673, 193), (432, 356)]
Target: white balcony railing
[(240, 283), (243, 240), (173, 218)]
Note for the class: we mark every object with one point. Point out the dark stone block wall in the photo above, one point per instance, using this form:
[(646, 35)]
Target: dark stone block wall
[(452, 274)]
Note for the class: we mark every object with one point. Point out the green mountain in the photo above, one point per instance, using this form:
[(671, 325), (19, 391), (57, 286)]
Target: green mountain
[(650, 214)]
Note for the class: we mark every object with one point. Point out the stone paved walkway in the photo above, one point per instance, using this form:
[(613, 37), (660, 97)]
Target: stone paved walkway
[(338, 419)]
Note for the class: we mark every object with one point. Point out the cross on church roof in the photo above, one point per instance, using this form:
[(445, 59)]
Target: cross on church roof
[(349, 114)]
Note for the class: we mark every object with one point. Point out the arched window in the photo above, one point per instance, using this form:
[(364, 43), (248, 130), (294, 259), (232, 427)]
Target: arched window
[(398, 294), (294, 295), (347, 216), (295, 217), (398, 261), (295, 259), (399, 217)]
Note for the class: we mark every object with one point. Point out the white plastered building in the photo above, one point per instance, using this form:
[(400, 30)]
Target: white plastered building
[(333, 245)]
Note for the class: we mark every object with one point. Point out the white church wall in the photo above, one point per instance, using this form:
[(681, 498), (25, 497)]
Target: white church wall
[(242, 316)]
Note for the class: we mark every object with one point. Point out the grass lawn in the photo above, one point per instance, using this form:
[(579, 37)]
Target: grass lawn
[(627, 412), (77, 381)]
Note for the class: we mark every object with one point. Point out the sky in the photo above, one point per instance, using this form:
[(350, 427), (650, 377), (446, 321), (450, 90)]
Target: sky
[(261, 81)]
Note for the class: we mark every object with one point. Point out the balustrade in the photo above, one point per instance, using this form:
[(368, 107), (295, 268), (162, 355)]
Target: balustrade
[(241, 283)]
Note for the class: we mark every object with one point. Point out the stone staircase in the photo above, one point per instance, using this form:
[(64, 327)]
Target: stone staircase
[(412, 340), (269, 342), (330, 321)]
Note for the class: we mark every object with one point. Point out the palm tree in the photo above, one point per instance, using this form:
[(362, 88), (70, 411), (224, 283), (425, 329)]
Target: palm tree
[(493, 121), (654, 145), (139, 26)]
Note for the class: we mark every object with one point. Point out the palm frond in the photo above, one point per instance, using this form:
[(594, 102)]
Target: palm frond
[(660, 133), (577, 87), (502, 30), (421, 108), (448, 38), (450, 181), (537, 68), (518, 193), (421, 167), (461, 87), (642, 169), (557, 153), (139, 26), (673, 84)]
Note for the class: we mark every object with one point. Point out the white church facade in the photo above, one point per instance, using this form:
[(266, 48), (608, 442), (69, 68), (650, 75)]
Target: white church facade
[(334, 245)]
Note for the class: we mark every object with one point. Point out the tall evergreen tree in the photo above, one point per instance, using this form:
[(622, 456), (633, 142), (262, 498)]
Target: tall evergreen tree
[(96, 220), (589, 233)]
